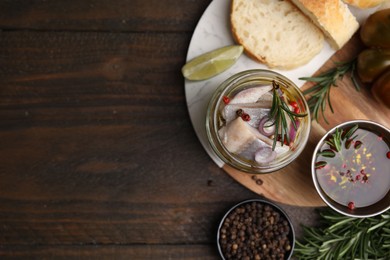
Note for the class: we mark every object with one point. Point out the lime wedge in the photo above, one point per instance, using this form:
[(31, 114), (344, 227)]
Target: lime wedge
[(212, 63)]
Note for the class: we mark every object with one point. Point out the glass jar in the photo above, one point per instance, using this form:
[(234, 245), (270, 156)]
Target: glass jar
[(217, 122)]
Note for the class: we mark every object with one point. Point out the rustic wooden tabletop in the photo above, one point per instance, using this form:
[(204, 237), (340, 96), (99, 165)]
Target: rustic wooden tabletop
[(98, 157)]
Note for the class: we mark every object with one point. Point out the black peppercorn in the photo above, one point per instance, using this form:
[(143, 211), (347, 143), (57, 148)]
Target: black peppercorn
[(256, 231)]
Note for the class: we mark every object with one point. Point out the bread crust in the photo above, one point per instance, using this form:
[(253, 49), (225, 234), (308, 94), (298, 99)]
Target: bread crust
[(333, 17), (256, 51), (238, 40), (247, 50)]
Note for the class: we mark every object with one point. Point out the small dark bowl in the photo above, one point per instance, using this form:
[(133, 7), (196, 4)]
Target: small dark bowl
[(286, 234)]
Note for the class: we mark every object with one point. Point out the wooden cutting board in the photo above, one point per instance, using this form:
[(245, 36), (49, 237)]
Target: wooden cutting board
[(293, 185)]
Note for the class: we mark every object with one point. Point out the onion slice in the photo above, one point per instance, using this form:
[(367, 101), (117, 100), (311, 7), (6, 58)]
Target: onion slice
[(266, 129), (293, 131)]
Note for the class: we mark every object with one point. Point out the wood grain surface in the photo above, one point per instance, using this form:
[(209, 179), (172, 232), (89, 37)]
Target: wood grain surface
[(98, 157)]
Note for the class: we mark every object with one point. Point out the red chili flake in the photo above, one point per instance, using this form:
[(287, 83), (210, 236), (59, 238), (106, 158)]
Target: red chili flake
[(357, 177), (388, 155), (351, 205), (365, 179), (226, 100), (245, 117)]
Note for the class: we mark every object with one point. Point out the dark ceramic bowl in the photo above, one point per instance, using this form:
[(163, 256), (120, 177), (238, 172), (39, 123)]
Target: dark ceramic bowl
[(243, 230)]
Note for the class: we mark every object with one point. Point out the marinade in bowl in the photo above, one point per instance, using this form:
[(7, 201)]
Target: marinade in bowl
[(351, 168)]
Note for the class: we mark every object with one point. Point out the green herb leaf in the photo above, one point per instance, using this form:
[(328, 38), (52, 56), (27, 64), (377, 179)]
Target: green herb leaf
[(318, 96), (327, 153), (335, 140), (350, 132), (278, 112), (320, 164), (343, 237)]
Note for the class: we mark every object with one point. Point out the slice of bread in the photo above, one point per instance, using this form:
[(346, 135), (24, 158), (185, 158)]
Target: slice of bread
[(275, 32), (333, 17)]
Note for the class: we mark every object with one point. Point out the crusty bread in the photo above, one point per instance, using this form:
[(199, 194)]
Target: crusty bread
[(275, 32), (384, 5), (363, 4), (333, 17)]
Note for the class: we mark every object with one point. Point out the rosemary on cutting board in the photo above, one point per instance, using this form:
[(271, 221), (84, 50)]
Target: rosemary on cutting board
[(278, 113), (344, 237), (319, 94)]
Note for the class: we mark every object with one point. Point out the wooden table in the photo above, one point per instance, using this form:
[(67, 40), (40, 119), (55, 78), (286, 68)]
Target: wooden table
[(98, 157)]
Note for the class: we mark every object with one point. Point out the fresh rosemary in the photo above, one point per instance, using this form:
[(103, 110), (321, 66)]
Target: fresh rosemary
[(336, 139), (335, 142), (344, 237), (278, 113), (319, 93)]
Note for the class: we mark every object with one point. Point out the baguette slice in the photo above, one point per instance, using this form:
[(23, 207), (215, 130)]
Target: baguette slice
[(333, 17), (275, 32)]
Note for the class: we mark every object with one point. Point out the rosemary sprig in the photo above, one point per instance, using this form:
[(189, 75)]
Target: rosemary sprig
[(278, 113), (343, 237), (336, 139), (335, 142), (319, 93)]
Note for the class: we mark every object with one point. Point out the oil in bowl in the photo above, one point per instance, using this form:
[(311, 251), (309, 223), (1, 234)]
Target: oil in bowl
[(351, 168)]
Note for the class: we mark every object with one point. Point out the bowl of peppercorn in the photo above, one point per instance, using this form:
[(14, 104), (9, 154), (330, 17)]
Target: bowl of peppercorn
[(350, 168), (255, 229)]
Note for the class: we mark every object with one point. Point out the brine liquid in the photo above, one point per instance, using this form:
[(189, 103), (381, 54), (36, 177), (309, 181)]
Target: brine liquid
[(255, 102), (358, 174)]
